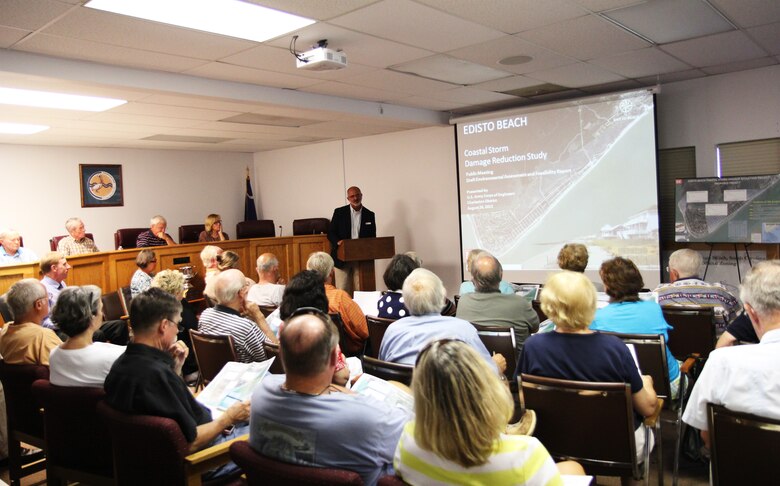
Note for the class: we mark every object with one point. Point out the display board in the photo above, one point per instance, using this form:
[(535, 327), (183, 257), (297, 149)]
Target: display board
[(535, 178), (743, 209)]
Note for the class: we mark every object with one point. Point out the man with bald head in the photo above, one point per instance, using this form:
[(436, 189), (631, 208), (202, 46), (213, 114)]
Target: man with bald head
[(26, 341), (349, 222), (235, 316), (11, 250), (302, 418), (269, 288)]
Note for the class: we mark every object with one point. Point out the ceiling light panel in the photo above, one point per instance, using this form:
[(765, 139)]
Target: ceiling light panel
[(60, 101), (21, 128)]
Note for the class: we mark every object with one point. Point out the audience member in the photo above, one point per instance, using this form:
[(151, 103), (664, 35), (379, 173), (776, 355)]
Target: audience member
[(146, 261), (208, 255), (686, 288), (574, 257), (745, 378), (423, 294), (76, 243), (489, 307), (79, 361), (155, 235), (302, 418), (414, 256), (26, 341), (213, 231), (249, 330), (339, 302), (146, 378), (172, 281), (349, 222), (740, 331), (11, 251), (574, 352), (458, 433), (269, 289), (230, 260), (54, 268), (467, 287), (626, 313), (391, 303)]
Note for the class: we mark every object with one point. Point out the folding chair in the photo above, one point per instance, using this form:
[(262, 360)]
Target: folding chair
[(387, 370), (211, 353)]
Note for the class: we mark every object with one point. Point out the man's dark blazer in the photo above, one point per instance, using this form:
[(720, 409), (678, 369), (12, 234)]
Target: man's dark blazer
[(341, 228)]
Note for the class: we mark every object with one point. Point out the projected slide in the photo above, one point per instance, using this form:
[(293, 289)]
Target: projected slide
[(728, 210), (585, 172)]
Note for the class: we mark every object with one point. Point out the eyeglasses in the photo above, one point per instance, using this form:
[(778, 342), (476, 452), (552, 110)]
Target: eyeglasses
[(179, 327), (437, 343)]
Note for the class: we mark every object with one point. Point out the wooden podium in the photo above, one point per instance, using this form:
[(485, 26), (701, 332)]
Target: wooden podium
[(364, 251)]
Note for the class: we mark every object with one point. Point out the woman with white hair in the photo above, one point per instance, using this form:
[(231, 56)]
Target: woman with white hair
[(79, 361)]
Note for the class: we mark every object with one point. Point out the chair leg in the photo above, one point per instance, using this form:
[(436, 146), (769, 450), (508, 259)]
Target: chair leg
[(646, 457), (678, 426), (14, 461), (659, 452)]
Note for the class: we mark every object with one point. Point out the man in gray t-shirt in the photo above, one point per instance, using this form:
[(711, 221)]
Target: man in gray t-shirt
[(302, 418)]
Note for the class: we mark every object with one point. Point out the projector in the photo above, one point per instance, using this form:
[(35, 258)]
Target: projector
[(321, 59)]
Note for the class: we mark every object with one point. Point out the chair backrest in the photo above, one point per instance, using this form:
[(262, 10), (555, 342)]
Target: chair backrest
[(189, 233), (267, 309), (126, 295), (55, 240), (650, 350), (376, 331), (347, 346), (272, 351), (694, 331), (262, 228), (126, 237), (113, 308), (387, 370), (76, 438), (5, 310), (22, 408), (147, 450), (743, 447), (211, 353), (261, 470), (500, 340), (591, 423), (311, 226), (537, 306)]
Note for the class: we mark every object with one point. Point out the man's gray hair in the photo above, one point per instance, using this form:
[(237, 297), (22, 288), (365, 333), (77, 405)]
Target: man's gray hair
[(6, 232), (320, 262), (72, 223), (266, 262), (158, 219), (229, 283), (23, 295), (486, 279), (761, 287), (687, 262), (423, 292)]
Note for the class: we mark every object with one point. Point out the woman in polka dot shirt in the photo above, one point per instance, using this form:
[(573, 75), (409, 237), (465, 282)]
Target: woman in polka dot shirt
[(391, 303)]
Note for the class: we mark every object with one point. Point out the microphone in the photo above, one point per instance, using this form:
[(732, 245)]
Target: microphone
[(280, 230)]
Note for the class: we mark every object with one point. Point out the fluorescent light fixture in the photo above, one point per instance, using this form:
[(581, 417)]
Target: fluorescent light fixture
[(60, 101), (233, 18), (21, 128)]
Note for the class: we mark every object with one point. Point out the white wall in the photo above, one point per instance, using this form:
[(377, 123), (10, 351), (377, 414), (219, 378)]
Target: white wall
[(407, 178), (719, 109), (39, 187)]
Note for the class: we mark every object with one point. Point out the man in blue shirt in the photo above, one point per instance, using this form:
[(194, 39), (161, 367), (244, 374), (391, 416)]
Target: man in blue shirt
[(11, 251)]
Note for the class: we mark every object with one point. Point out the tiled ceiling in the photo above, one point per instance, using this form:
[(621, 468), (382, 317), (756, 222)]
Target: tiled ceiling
[(193, 90)]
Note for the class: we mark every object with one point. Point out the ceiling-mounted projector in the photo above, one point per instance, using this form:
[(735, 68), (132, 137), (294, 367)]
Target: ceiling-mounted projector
[(321, 59)]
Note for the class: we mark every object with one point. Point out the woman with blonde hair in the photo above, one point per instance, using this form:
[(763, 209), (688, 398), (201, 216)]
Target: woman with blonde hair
[(213, 230), (461, 411)]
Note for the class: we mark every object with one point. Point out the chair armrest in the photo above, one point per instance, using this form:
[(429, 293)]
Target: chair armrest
[(206, 459), (690, 361), (652, 419)]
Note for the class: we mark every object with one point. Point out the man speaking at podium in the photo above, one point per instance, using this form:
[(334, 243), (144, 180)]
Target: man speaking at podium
[(349, 222)]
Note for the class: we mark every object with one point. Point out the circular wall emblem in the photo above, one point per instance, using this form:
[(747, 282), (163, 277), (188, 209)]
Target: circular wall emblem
[(102, 185)]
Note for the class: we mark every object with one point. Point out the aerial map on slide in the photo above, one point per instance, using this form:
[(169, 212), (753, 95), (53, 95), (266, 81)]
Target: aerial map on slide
[(577, 173), (743, 209)]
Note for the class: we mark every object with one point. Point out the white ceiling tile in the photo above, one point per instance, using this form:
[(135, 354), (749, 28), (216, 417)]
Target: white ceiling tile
[(507, 84), (231, 72), (9, 36), (664, 21), (767, 36), (93, 51), (30, 14), (490, 52), (120, 30), (747, 13), (672, 77), (740, 65), (715, 49), (183, 112), (398, 82), (416, 25), (642, 62), (335, 88), (584, 38), (359, 48), (510, 16), (624, 85), (576, 75), (451, 70), (602, 5), (110, 117), (315, 9), (472, 95)]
